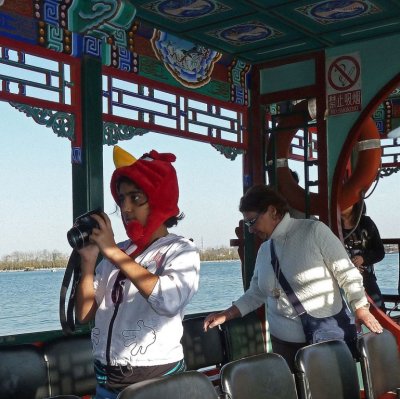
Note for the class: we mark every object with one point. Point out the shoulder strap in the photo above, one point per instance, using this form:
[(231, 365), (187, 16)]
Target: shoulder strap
[(298, 307), (71, 276)]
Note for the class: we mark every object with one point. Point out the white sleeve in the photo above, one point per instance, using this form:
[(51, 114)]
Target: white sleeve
[(253, 298), (338, 261), (178, 282)]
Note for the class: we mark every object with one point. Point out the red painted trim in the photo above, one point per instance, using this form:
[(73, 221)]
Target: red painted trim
[(76, 101), (36, 102), (255, 155), (321, 137), (385, 321), (172, 132)]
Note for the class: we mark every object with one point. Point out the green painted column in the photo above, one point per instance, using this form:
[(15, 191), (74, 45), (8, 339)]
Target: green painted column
[(87, 178)]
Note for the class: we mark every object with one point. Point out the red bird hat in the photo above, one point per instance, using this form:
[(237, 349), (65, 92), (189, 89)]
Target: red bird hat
[(154, 174)]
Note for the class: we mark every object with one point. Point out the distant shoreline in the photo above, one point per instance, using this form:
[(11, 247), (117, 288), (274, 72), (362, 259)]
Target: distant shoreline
[(55, 269)]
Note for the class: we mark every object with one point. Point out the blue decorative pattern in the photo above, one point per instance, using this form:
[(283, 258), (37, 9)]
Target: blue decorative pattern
[(328, 12), (51, 12), (125, 59), (76, 155), (18, 27), (189, 64), (238, 78), (92, 46), (185, 11), (246, 33)]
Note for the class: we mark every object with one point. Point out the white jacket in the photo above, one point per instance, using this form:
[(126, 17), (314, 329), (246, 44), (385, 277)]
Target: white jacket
[(146, 332), (316, 265)]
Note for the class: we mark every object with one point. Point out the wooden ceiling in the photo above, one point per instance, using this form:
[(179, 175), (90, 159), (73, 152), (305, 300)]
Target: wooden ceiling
[(262, 30)]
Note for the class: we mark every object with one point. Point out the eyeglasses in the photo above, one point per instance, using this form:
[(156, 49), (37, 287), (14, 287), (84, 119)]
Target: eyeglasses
[(251, 222)]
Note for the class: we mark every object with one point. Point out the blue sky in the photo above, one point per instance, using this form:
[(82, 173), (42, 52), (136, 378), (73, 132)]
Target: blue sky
[(36, 187), (36, 199)]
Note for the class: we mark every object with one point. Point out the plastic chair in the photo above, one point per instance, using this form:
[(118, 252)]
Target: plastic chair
[(380, 364), (326, 370), (70, 366), (23, 373), (190, 385), (264, 376), (201, 349), (243, 337)]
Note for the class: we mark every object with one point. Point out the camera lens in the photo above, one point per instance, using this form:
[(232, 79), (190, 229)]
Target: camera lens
[(77, 238), (78, 235)]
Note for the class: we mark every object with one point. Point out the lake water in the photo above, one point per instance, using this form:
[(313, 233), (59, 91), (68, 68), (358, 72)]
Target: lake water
[(29, 300)]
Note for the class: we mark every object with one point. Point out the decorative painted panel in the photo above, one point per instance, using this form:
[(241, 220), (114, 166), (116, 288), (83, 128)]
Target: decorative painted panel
[(145, 105)]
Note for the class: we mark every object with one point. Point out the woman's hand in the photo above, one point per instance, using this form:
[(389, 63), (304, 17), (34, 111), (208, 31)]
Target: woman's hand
[(364, 316), (214, 320), (358, 262)]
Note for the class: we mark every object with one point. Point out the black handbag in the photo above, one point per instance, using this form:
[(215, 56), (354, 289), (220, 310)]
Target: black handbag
[(339, 326)]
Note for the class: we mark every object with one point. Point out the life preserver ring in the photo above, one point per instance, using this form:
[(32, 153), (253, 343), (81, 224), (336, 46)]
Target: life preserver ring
[(287, 185), (362, 177), (367, 166)]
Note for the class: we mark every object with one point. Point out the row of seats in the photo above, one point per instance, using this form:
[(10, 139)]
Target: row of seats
[(323, 371), (64, 366), (237, 352)]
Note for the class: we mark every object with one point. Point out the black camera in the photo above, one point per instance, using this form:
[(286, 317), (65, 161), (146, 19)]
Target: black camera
[(78, 235)]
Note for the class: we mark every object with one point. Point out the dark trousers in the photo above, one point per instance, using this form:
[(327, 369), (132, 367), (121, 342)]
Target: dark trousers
[(286, 349), (372, 288)]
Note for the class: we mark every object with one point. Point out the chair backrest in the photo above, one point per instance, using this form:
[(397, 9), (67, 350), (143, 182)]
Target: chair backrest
[(201, 349), (23, 373), (380, 363), (70, 364), (265, 376), (243, 337), (190, 384), (326, 370)]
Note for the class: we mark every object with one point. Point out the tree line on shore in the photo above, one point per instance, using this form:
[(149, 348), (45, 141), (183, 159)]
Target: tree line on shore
[(45, 259)]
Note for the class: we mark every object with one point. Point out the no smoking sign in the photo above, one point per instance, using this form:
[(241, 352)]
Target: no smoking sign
[(343, 82), (344, 73)]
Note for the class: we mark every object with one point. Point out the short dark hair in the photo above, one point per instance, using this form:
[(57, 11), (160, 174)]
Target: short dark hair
[(173, 221), (258, 198), (358, 207)]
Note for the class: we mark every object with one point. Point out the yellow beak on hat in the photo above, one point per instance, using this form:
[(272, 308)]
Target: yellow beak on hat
[(122, 158)]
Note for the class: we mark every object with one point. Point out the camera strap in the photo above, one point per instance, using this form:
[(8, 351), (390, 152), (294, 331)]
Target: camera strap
[(72, 274)]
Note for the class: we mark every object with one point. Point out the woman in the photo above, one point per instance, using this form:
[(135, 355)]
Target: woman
[(364, 246), (314, 263), (138, 292)]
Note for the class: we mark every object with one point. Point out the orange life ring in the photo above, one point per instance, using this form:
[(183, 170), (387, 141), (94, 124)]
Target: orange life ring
[(367, 166), (287, 185), (362, 177)]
